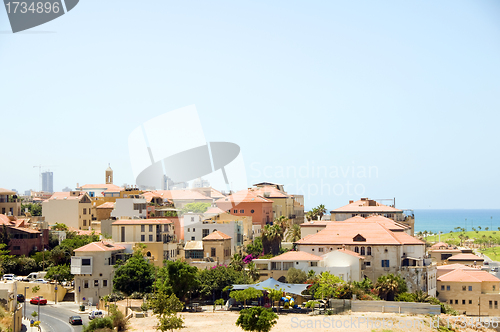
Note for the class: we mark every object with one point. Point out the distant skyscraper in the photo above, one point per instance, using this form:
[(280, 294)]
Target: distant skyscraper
[(48, 182), (66, 189), (200, 183)]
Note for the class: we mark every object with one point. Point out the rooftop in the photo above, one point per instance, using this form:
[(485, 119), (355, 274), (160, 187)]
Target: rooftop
[(99, 246), (142, 222), (296, 256), (217, 235), (465, 257), (462, 275), (366, 205), (243, 196)]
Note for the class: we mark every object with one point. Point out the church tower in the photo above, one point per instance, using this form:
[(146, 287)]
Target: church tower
[(109, 175)]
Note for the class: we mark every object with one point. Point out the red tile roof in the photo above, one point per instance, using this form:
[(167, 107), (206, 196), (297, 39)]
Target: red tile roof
[(104, 187), (100, 246), (269, 191), (439, 244), (350, 252), (465, 257), (184, 194), (296, 256), (217, 235), (344, 232), (243, 196), (4, 220), (214, 210), (461, 275), (66, 196), (107, 205), (362, 206)]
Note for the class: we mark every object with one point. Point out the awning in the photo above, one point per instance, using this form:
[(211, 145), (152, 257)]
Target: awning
[(296, 289)]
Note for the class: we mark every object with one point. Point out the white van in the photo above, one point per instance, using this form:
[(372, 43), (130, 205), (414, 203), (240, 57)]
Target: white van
[(95, 314), (35, 275)]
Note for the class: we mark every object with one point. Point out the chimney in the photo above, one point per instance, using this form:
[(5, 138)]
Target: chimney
[(351, 201)]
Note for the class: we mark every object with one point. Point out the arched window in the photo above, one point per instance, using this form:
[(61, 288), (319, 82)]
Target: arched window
[(369, 251), (148, 254), (356, 250), (362, 251)]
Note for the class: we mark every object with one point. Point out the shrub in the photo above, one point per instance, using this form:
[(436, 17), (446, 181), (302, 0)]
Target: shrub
[(257, 319), (98, 323), (117, 317)]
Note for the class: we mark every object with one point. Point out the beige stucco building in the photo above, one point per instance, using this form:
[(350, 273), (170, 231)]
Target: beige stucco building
[(93, 269), (10, 204), (469, 290), (74, 209), (217, 246)]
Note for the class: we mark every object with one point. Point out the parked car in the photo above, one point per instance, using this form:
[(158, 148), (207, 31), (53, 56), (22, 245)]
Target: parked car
[(494, 269), (38, 300), (95, 314), (20, 298), (75, 320), (8, 276), (486, 263), (41, 281)]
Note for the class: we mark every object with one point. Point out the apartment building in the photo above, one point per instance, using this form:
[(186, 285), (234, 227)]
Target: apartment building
[(247, 203), (366, 207), (93, 268), (24, 237), (470, 291), (10, 204), (74, 209), (213, 249), (441, 252)]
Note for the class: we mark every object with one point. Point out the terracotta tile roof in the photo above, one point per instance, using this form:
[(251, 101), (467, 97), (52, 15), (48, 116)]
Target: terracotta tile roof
[(344, 232), (107, 205), (350, 252), (184, 194), (389, 223), (214, 210), (66, 196), (216, 194), (362, 206), (268, 191), (142, 222), (100, 246), (148, 196), (4, 220), (462, 275), (466, 257), (443, 269), (217, 235), (243, 196), (439, 244), (104, 187), (296, 256), (193, 245)]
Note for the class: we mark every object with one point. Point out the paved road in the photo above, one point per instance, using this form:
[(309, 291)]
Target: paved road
[(55, 317)]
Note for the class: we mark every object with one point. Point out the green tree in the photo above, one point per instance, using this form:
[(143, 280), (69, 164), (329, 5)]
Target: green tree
[(98, 323), (389, 286), (295, 276), (328, 285), (59, 273), (274, 294), (214, 280), (237, 262), (4, 236), (179, 277), (117, 317), (257, 319), (252, 271), (170, 323), (294, 233), (137, 274), (33, 208), (255, 248), (60, 227), (195, 208), (166, 307), (244, 295), (320, 210)]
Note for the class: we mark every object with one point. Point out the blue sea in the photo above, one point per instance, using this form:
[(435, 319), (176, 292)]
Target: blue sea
[(447, 220)]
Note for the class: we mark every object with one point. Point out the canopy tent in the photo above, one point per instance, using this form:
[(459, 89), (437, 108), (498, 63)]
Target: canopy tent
[(296, 289)]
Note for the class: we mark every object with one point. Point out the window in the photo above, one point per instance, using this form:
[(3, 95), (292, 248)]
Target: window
[(189, 230), (96, 283), (464, 288), (85, 284), (85, 223), (242, 211), (494, 287), (385, 263), (451, 301), (165, 228), (143, 228), (150, 237), (150, 228), (86, 261), (496, 304), (447, 287), (314, 263), (362, 251), (470, 288), (312, 249), (369, 251), (105, 283), (252, 211), (235, 211), (84, 211), (143, 238), (320, 249), (192, 238), (194, 229), (205, 232), (442, 287), (463, 301), (456, 301), (212, 252), (470, 301), (356, 250), (491, 304), (368, 263), (287, 265)]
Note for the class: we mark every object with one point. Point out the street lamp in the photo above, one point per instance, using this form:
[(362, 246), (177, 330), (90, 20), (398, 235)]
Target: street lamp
[(25, 288)]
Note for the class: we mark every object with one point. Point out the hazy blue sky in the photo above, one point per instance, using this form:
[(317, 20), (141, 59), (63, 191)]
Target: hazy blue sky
[(409, 90)]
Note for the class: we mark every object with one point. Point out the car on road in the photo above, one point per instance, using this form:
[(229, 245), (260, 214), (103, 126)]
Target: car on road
[(95, 314), (38, 300), (9, 276), (41, 281), (20, 298), (75, 320), (494, 269), (486, 263)]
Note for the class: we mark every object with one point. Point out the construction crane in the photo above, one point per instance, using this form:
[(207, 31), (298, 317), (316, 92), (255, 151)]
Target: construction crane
[(40, 174)]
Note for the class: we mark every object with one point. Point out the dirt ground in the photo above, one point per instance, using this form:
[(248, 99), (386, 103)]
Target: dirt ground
[(222, 321)]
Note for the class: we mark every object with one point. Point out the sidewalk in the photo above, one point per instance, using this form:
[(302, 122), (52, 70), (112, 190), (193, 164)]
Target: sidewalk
[(27, 326), (71, 306)]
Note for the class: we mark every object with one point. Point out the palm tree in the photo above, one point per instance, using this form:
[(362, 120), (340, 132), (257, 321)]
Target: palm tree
[(252, 271), (421, 296), (237, 262), (321, 210), (389, 286), (270, 235), (310, 216), (294, 233)]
